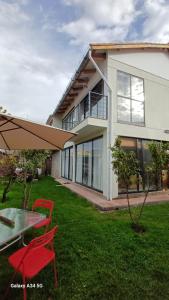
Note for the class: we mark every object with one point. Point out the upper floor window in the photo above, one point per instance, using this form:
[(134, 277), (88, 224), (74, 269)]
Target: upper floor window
[(130, 94)]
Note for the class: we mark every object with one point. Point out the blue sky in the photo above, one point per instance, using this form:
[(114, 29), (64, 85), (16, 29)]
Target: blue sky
[(42, 42)]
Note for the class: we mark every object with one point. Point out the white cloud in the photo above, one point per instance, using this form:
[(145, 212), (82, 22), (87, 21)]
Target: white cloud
[(156, 25), (11, 14), (32, 79), (107, 20)]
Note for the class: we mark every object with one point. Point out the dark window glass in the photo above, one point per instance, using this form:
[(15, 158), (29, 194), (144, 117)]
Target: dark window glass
[(89, 163), (97, 164), (86, 107), (129, 144), (71, 163), (63, 163), (140, 147), (67, 163), (79, 161)]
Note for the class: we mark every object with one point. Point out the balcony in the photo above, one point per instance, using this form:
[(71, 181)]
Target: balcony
[(94, 105)]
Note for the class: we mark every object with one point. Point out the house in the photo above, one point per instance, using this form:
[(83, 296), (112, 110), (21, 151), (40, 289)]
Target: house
[(119, 90)]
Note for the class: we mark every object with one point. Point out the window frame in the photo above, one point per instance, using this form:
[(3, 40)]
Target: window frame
[(81, 183), (142, 124), (69, 156)]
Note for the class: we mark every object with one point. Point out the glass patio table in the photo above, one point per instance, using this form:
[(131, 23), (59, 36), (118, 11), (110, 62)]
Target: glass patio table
[(23, 220)]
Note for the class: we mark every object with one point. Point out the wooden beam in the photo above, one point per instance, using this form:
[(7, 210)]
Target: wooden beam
[(99, 56), (84, 80), (61, 111), (73, 94), (77, 88), (69, 98), (66, 103), (88, 71)]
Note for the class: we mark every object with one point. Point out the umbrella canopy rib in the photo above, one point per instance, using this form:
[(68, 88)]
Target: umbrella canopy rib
[(35, 134), (5, 141), (6, 130), (7, 121)]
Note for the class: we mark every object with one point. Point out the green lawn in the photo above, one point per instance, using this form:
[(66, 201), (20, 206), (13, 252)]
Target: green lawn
[(99, 257)]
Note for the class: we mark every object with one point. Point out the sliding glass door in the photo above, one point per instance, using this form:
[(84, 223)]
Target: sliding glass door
[(97, 164), (67, 163), (89, 164), (79, 161)]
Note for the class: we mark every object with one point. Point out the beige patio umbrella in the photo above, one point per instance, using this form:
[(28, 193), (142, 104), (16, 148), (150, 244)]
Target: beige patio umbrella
[(17, 134)]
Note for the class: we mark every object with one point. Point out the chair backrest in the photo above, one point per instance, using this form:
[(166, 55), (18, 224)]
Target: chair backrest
[(44, 239), (39, 242), (49, 204)]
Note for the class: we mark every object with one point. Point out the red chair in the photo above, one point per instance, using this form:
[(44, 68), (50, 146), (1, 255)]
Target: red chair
[(49, 204), (30, 260)]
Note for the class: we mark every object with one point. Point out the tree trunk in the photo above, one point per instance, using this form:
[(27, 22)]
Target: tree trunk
[(7, 189), (128, 202)]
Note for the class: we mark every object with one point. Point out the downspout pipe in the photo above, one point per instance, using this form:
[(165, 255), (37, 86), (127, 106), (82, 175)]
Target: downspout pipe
[(109, 133)]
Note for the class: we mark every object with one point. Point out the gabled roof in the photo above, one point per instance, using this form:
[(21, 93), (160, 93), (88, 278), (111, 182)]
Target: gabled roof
[(134, 46), (86, 69)]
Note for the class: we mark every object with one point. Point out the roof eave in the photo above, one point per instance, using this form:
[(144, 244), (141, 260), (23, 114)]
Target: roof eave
[(82, 64), (111, 46)]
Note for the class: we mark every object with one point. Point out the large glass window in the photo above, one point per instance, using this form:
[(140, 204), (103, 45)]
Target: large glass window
[(97, 164), (89, 163), (67, 163), (130, 95), (129, 144), (71, 163), (140, 147), (79, 162)]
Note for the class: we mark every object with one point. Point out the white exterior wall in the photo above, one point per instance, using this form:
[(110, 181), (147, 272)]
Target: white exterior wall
[(56, 164), (57, 121), (156, 91)]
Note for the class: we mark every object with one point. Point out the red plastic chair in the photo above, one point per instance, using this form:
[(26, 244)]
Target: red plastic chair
[(30, 260), (49, 204)]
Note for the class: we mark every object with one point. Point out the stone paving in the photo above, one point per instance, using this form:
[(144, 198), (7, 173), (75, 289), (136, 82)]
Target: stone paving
[(98, 200)]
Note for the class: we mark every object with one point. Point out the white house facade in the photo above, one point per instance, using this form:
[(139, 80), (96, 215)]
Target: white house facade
[(119, 90)]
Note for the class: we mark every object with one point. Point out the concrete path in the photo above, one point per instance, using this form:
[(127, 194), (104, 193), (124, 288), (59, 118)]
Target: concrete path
[(98, 200)]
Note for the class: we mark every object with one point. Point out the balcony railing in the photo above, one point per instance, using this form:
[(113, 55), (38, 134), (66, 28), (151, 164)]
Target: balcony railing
[(93, 105)]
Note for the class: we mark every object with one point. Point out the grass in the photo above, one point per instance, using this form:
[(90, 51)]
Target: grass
[(99, 256)]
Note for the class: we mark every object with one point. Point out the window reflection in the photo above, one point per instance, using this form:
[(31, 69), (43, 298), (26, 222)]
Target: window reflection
[(137, 91), (140, 148), (123, 109), (130, 92), (137, 112), (89, 163), (67, 163), (129, 144), (123, 84)]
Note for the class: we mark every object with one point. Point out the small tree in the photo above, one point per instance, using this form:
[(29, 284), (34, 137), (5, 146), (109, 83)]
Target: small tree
[(125, 165), (30, 160), (7, 171), (160, 160)]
